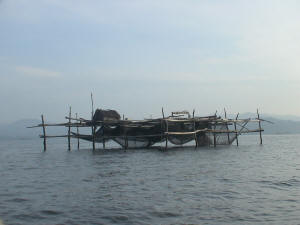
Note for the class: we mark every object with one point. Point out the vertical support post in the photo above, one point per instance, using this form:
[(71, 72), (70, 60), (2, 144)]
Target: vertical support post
[(77, 130), (44, 133), (161, 130), (194, 126), (126, 139), (228, 137), (215, 138), (236, 133), (93, 136), (259, 125), (126, 142), (69, 130), (162, 112), (93, 123), (167, 133), (103, 143)]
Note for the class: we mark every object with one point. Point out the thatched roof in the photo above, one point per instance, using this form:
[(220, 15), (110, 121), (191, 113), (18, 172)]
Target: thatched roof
[(105, 115)]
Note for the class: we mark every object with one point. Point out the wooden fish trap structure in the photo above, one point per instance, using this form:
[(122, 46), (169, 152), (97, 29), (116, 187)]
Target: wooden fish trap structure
[(177, 129)]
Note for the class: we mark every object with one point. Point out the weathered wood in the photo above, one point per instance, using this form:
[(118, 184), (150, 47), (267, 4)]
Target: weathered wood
[(93, 123), (236, 134), (194, 128), (69, 130), (259, 125), (215, 139), (126, 138), (93, 137), (103, 143), (226, 124), (167, 133), (77, 130), (56, 136), (44, 133)]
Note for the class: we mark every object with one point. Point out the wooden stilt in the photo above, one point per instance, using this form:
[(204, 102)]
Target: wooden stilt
[(44, 133), (228, 137), (126, 139), (161, 128), (194, 126), (162, 112), (93, 125), (215, 138), (103, 143), (167, 133), (236, 134), (259, 125), (93, 134), (126, 142), (69, 130), (77, 130)]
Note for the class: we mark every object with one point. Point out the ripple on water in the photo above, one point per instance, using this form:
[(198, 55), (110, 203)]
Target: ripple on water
[(250, 186), (50, 212), (17, 200)]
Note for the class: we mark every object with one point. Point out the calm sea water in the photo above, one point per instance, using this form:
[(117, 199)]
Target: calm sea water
[(249, 184)]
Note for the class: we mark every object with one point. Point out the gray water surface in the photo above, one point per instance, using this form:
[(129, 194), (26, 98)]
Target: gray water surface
[(249, 184)]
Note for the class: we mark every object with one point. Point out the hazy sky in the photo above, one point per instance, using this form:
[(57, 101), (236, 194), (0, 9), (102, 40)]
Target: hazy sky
[(137, 56)]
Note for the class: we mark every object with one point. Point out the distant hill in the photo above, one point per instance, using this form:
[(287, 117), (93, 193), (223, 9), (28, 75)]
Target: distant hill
[(18, 128), (279, 126)]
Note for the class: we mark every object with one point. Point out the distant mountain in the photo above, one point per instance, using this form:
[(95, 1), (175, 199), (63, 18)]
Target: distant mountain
[(266, 115), (281, 124), (18, 129)]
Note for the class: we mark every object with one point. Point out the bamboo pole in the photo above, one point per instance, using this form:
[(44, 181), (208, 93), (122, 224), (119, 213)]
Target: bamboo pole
[(93, 137), (236, 135), (259, 125), (161, 128), (126, 138), (103, 143), (215, 139), (77, 130), (226, 124), (69, 130), (194, 126), (93, 122), (167, 135), (44, 132)]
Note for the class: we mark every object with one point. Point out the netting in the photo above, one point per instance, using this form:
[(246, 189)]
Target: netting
[(221, 138), (178, 132)]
